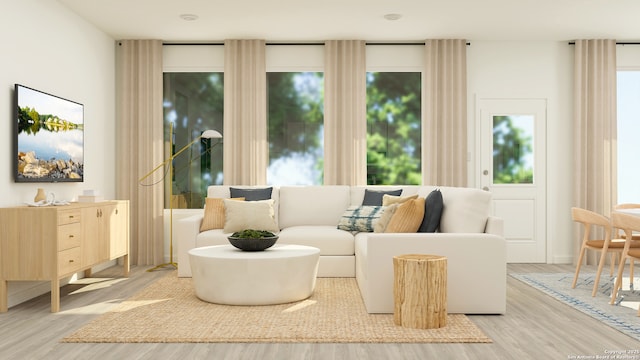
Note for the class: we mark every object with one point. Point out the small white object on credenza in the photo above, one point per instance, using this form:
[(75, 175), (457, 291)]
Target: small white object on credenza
[(90, 198)]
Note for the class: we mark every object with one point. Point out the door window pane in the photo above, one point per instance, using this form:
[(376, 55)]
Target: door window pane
[(394, 128), (513, 149), (296, 118), (193, 103)]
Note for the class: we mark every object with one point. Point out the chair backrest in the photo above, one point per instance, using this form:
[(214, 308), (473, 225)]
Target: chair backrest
[(588, 218), (626, 222)]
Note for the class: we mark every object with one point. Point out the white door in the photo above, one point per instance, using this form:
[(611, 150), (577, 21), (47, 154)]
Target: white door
[(512, 167)]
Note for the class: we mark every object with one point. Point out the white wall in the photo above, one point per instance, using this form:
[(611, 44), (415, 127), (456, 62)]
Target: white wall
[(530, 69), (47, 47)]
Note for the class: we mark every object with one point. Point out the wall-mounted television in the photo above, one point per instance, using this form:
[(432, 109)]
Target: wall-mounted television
[(49, 137)]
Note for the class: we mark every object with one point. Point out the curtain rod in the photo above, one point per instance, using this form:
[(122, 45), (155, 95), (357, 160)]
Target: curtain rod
[(298, 44), (617, 43)]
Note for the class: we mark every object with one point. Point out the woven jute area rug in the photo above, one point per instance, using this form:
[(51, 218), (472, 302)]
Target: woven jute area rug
[(169, 311)]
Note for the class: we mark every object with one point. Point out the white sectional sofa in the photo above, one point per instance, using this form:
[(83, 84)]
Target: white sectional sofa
[(469, 237)]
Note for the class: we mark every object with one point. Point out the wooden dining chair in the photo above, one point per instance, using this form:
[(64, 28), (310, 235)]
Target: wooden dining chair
[(591, 220), (629, 224)]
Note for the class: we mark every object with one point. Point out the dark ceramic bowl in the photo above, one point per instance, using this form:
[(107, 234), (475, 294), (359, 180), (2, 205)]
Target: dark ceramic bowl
[(247, 244)]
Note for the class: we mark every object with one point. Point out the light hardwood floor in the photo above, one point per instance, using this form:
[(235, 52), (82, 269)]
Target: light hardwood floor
[(535, 327)]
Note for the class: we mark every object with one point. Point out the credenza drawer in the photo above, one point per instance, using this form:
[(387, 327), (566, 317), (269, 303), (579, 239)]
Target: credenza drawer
[(68, 260), (69, 236), (68, 216)]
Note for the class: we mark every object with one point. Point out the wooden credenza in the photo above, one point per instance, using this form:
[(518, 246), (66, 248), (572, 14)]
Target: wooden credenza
[(53, 242)]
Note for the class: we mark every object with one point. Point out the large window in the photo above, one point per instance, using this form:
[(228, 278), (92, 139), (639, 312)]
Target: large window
[(295, 128), (193, 103), (394, 128), (628, 109)]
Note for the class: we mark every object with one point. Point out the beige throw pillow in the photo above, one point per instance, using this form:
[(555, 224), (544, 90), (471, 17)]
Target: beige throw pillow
[(407, 218), (381, 224), (391, 199), (256, 215), (214, 214)]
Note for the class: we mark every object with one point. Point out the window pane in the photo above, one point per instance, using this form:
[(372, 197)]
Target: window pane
[(513, 149), (393, 128), (193, 103), (296, 144), (628, 130)]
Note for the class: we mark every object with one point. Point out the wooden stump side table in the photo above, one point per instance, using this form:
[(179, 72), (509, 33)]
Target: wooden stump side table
[(420, 291)]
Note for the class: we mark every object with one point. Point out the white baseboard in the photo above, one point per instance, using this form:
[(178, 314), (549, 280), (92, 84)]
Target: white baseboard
[(568, 259)]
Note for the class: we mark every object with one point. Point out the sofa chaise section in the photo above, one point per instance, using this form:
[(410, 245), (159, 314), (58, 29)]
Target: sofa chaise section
[(476, 271)]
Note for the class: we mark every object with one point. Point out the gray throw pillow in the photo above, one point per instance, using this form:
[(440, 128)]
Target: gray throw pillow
[(374, 198), (433, 207), (251, 194)]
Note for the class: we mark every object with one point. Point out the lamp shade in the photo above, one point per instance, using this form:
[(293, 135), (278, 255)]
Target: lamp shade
[(211, 134)]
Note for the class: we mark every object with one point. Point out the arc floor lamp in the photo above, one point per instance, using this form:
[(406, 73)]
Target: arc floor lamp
[(207, 134)]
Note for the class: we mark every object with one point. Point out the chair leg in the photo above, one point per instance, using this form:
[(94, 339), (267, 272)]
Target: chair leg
[(614, 256), (603, 257), (575, 278), (631, 274), (618, 283)]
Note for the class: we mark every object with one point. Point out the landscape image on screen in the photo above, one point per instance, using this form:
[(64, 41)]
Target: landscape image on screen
[(49, 143)]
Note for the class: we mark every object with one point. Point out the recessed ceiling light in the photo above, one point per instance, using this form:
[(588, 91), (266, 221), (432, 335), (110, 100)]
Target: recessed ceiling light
[(392, 17), (189, 17)]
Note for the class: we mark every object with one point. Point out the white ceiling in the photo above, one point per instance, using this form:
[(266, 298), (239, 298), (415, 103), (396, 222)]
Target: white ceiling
[(318, 20)]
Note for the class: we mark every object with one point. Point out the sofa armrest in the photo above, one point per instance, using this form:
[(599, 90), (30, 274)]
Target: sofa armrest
[(185, 231), (495, 226)]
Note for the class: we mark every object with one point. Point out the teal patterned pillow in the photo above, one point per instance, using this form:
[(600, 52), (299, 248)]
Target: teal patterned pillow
[(360, 218)]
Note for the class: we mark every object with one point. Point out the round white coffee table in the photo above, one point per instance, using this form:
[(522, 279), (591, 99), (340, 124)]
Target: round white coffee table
[(225, 275)]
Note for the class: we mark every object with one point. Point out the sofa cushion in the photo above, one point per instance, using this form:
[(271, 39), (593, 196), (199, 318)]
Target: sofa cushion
[(330, 240), (312, 205), (360, 218), (465, 209), (214, 214), (253, 194), (374, 197), (257, 215), (433, 206), (407, 218), (212, 237)]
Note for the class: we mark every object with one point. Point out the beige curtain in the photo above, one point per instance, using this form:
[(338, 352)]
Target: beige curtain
[(246, 151), (139, 144), (595, 159), (345, 113), (444, 113)]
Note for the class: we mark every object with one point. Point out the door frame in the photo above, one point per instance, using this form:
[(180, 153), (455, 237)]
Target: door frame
[(542, 104)]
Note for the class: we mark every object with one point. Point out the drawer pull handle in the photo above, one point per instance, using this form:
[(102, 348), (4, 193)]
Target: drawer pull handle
[(70, 236), (70, 216), (70, 261)]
